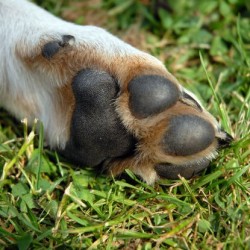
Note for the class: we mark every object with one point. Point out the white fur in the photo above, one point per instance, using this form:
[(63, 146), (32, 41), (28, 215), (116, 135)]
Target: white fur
[(24, 22)]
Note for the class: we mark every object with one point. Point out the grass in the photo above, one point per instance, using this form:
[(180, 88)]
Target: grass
[(46, 203)]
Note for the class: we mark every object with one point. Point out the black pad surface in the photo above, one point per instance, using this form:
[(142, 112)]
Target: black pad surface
[(187, 135), (151, 94), (96, 131), (170, 171), (51, 48)]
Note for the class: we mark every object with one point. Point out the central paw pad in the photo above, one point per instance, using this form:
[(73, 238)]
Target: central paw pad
[(97, 134)]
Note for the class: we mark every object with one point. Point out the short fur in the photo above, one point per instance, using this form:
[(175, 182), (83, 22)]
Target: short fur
[(41, 55)]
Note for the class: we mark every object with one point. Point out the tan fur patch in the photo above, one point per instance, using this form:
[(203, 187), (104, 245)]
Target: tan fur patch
[(66, 104)]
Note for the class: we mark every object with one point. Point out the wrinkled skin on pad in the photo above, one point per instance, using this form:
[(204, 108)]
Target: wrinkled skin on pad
[(97, 133)]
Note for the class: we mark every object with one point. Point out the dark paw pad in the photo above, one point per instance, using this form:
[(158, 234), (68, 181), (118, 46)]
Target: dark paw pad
[(151, 94), (172, 172), (97, 133), (51, 48), (187, 135)]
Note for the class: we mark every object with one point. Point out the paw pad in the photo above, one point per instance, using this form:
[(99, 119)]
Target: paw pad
[(187, 135), (170, 171), (96, 131), (51, 48), (151, 94)]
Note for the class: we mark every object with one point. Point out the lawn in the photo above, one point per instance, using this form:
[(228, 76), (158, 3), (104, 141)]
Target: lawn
[(47, 203)]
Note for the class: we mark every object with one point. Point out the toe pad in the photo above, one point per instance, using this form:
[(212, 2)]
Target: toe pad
[(151, 94), (187, 135), (171, 172)]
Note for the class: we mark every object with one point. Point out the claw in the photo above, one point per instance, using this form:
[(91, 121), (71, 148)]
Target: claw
[(225, 140)]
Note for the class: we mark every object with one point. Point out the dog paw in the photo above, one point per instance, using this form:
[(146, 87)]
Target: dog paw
[(175, 135), (121, 109), (154, 127)]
